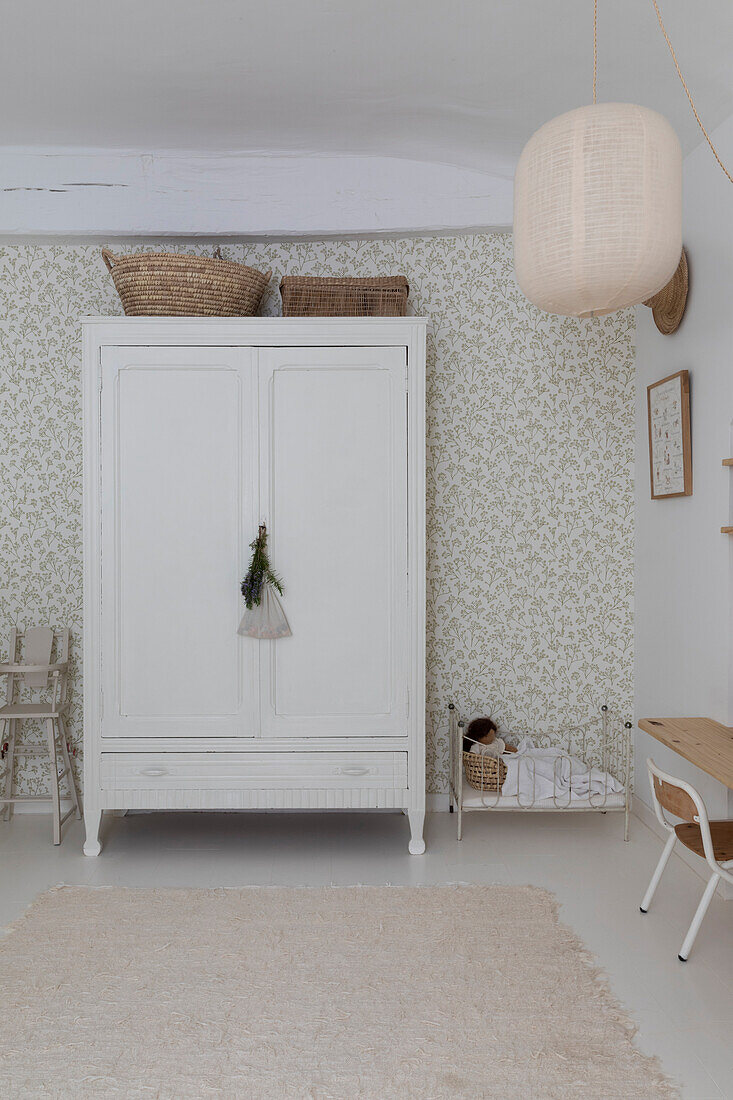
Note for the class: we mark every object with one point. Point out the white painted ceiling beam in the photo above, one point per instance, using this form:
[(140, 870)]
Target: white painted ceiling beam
[(132, 193)]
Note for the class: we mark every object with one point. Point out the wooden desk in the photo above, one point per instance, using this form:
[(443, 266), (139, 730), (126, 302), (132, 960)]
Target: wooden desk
[(703, 742)]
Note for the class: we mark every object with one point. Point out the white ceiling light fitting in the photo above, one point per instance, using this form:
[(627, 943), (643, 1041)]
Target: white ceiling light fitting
[(598, 208)]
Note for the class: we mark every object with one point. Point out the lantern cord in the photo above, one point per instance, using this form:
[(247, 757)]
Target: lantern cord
[(595, 47), (682, 80)]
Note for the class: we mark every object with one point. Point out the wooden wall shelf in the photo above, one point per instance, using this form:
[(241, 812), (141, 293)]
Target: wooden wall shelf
[(728, 461)]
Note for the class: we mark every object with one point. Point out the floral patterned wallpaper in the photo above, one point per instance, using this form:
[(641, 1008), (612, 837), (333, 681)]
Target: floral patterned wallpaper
[(530, 468)]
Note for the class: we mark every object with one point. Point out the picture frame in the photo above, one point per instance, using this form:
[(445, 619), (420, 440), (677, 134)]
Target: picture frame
[(670, 443)]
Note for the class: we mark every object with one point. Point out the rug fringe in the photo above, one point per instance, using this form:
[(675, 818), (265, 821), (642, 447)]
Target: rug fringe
[(618, 1015)]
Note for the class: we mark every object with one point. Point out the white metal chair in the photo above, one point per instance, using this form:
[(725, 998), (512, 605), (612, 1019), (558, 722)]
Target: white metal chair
[(36, 671), (712, 840)]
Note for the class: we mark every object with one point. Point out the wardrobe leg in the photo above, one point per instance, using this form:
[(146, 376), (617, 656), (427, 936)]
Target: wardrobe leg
[(417, 820), (92, 822)]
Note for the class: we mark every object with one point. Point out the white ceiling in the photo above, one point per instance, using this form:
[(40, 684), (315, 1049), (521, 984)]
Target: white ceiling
[(459, 82), (462, 81)]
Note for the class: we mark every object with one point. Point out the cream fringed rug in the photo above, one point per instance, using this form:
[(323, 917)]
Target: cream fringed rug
[(329, 994)]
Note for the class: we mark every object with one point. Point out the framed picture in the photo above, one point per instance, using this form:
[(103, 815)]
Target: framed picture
[(670, 449)]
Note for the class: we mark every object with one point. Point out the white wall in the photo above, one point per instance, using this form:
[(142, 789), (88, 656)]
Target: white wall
[(683, 562)]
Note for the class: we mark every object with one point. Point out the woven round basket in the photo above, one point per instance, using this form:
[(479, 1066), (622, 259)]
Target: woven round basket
[(485, 773), (168, 284), (668, 305)]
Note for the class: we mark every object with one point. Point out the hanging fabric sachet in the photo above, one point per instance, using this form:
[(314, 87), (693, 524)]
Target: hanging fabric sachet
[(264, 616)]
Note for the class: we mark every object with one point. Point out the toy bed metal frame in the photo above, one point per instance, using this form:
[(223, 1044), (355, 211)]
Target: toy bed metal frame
[(612, 757)]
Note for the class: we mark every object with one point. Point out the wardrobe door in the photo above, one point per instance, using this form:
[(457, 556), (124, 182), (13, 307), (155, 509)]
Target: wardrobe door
[(179, 482), (333, 431)]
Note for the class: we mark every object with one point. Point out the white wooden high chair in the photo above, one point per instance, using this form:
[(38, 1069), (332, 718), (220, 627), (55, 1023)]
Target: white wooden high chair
[(712, 840), (36, 671)]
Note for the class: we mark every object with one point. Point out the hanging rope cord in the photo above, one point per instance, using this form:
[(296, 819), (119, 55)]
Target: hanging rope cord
[(679, 74), (687, 90), (595, 48)]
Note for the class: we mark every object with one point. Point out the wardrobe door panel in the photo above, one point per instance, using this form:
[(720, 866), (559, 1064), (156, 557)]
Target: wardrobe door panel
[(179, 470), (334, 494)]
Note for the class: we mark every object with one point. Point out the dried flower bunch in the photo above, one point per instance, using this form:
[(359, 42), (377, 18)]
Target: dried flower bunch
[(260, 572)]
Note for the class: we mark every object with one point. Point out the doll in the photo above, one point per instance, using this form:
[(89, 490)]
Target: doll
[(481, 737)]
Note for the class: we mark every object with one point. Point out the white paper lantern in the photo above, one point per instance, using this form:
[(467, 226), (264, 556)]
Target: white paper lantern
[(598, 209)]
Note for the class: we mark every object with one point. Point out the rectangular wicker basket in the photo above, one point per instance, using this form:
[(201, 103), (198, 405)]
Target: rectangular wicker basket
[(312, 296)]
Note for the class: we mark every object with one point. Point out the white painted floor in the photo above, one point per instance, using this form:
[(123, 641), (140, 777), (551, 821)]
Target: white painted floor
[(684, 1010)]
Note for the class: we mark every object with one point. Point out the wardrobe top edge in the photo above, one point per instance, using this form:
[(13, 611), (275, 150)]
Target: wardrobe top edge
[(237, 321)]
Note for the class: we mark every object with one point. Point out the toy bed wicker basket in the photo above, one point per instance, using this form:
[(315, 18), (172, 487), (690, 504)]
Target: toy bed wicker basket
[(312, 296), (485, 773), (170, 284)]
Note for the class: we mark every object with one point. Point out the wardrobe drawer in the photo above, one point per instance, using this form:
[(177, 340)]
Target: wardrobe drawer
[(252, 771)]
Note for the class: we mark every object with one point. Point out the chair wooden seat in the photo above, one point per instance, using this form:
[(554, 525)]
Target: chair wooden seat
[(721, 833), (29, 710)]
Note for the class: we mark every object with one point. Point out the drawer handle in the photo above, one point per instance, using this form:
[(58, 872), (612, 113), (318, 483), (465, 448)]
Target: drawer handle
[(153, 771), (354, 771)]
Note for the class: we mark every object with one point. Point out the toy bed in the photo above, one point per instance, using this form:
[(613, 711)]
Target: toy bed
[(568, 772)]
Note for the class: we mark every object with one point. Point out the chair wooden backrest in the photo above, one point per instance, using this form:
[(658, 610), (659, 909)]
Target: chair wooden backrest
[(36, 644), (675, 796), (37, 651), (674, 799)]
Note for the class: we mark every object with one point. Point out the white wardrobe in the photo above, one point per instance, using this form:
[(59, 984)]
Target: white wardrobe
[(196, 431)]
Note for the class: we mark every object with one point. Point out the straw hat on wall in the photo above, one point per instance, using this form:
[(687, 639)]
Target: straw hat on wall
[(668, 304)]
